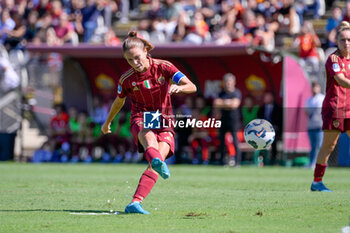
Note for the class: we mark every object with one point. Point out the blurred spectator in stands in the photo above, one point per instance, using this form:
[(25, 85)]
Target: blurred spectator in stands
[(313, 107), (43, 7), (222, 37), (199, 140), (43, 25), (82, 145), (249, 22), (9, 79), (73, 122), (56, 11), (32, 28), (110, 39), (231, 11), (59, 127), (91, 12), (249, 110), (287, 17), (100, 111), (308, 43), (43, 154), (267, 8), (346, 15), (228, 101), (182, 134), (210, 11), (55, 64), (76, 17), (171, 12), (264, 33), (332, 24), (198, 31), (7, 24), (310, 8), (239, 36), (155, 10), (110, 8), (15, 37), (65, 30), (272, 112)]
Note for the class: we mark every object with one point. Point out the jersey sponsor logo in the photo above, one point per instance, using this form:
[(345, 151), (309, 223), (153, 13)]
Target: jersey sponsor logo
[(151, 120), (119, 89), (336, 67), (147, 84)]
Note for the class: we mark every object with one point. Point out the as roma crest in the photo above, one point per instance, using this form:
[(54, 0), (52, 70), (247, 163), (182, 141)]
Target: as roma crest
[(161, 80), (336, 123)]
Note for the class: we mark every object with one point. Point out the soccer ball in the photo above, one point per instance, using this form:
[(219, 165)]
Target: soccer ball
[(259, 134)]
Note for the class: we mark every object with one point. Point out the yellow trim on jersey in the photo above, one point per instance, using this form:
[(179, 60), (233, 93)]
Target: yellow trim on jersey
[(162, 62), (126, 75), (334, 58)]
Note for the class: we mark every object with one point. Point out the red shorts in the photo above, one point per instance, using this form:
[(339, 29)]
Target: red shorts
[(340, 124), (162, 136)]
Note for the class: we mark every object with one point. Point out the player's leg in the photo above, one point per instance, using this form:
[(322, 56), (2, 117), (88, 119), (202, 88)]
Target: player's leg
[(148, 140), (330, 139), (166, 147), (149, 177)]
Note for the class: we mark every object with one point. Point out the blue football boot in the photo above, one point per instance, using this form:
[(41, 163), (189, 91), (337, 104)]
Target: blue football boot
[(135, 208), (320, 187), (160, 167)]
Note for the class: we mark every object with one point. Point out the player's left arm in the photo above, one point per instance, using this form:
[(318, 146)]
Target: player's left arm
[(183, 86)]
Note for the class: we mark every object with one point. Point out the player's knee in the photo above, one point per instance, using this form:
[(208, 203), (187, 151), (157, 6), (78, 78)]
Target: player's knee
[(147, 139)]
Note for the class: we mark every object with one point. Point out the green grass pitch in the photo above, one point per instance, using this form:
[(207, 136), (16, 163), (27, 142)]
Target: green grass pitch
[(42, 198)]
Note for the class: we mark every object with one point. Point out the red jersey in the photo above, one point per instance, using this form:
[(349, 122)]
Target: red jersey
[(337, 100), (149, 91), (307, 46)]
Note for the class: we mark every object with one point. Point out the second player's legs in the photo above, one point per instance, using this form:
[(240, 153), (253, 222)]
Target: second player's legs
[(315, 137), (330, 138)]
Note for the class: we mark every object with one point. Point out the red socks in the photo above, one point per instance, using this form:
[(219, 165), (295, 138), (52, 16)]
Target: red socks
[(152, 153), (319, 172), (146, 183)]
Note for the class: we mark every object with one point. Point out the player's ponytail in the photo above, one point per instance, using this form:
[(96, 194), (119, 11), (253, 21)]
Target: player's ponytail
[(133, 41), (343, 26)]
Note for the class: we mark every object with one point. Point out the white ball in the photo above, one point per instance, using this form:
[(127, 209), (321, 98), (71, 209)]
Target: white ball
[(259, 134)]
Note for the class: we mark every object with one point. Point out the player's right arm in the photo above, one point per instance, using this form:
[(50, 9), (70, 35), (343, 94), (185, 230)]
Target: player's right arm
[(342, 80), (116, 106), (335, 69)]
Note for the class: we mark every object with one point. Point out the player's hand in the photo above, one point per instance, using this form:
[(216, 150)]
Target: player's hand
[(106, 128), (174, 89)]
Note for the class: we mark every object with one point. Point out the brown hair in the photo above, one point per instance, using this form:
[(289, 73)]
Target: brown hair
[(133, 41), (343, 26)]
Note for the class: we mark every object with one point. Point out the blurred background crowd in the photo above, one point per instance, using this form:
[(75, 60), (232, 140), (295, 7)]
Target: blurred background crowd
[(306, 28), (258, 22)]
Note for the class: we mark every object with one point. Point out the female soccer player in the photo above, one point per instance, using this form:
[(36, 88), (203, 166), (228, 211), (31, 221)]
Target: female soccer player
[(336, 105), (149, 83)]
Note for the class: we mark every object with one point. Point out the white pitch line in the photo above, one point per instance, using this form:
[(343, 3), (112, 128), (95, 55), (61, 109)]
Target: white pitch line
[(95, 213)]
